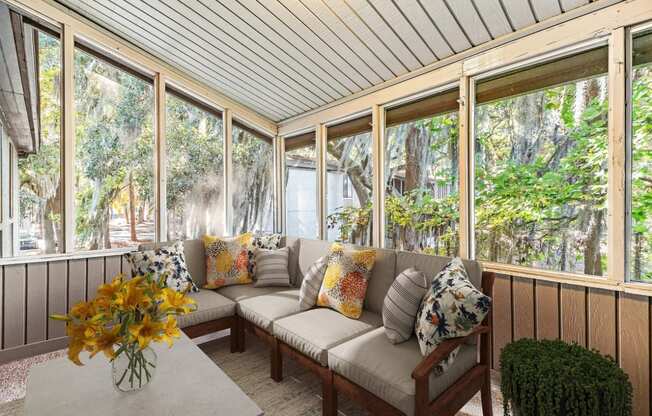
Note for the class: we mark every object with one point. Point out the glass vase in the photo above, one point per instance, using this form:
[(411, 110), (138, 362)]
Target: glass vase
[(134, 368)]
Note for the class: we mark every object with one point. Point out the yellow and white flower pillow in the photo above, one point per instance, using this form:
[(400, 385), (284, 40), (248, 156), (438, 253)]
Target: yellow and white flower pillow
[(227, 260), (346, 279)]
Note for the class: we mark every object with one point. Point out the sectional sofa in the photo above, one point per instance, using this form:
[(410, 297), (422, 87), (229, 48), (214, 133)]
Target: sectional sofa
[(353, 357)]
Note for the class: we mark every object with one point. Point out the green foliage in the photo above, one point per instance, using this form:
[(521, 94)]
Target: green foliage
[(541, 179), (353, 222), (555, 378)]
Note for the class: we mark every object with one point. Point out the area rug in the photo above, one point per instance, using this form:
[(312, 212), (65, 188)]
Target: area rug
[(298, 395)]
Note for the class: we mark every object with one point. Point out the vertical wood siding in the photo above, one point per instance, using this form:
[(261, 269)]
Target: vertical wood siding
[(616, 324), (30, 293)]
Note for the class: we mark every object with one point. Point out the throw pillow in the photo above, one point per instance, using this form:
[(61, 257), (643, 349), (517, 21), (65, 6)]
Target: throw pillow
[(169, 261), (272, 267), (264, 241), (402, 303), (346, 279), (311, 283), (227, 260), (452, 308)]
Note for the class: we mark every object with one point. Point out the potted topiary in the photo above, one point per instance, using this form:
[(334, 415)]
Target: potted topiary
[(555, 378)]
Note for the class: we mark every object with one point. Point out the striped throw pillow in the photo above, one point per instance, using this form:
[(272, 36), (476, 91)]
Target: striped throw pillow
[(311, 283), (402, 303), (272, 267)]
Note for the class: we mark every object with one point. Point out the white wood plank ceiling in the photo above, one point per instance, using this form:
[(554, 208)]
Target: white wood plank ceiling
[(286, 57)]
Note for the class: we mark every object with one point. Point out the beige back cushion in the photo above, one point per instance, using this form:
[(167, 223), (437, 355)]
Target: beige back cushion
[(431, 265), (195, 258), (294, 244), (382, 274)]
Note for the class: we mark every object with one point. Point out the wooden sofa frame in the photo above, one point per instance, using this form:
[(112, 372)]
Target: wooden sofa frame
[(477, 379), (205, 328)]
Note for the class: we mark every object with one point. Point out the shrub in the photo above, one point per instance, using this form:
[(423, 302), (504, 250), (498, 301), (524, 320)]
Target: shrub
[(556, 378)]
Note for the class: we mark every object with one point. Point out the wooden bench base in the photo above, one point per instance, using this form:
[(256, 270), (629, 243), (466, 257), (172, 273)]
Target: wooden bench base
[(205, 328)]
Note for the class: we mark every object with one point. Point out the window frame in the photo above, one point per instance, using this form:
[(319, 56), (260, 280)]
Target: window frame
[(629, 34), (469, 198)]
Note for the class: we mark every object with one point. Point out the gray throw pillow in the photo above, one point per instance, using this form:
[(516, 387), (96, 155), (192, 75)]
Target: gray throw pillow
[(401, 304), (272, 267), (312, 283)]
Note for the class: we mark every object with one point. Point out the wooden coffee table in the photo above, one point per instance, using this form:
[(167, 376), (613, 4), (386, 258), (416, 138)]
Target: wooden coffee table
[(186, 383)]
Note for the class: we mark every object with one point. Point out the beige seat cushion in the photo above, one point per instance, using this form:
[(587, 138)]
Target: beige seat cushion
[(385, 369), (315, 331), (210, 306), (240, 292), (264, 310)]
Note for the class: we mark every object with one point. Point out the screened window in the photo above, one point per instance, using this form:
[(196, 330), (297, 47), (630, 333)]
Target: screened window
[(541, 165), (114, 154), (421, 175), (253, 181), (301, 186), (640, 258), (349, 160), (195, 168), (30, 142)]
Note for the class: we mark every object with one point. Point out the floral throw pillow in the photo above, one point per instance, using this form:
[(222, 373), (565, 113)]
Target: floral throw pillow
[(346, 279), (227, 260), (451, 308), (169, 261), (264, 241)]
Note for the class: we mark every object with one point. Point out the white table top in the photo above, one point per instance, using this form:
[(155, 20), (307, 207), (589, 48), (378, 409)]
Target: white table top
[(186, 383)]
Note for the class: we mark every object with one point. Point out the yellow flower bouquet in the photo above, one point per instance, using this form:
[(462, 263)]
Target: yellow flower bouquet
[(121, 322)]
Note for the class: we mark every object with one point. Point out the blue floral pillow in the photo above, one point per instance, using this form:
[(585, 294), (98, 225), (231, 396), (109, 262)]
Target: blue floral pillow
[(169, 261), (452, 308)]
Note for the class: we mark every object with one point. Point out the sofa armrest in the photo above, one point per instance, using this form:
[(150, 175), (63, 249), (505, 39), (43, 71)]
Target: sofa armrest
[(425, 367)]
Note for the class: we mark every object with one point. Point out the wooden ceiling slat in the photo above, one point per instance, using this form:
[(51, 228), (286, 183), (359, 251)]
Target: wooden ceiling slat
[(219, 22), (282, 32), (445, 21), (377, 25), (370, 40), (217, 50), (422, 24), (244, 93), (326, 50), (283, 58), (470, 21), (519, 13)]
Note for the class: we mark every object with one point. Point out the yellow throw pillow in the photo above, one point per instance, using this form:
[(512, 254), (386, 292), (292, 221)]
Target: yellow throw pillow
[(346, 279), (227, 260)]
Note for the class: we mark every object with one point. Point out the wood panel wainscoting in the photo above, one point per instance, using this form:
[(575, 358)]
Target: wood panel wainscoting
[(30, 292), (615, 323)]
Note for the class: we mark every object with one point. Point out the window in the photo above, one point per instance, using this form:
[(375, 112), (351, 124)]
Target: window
[(541, 165), (253, 181), (195, 168), (640, 244), (421, 175), (114, 154), (30, 144), (349, 158), (301, 186)]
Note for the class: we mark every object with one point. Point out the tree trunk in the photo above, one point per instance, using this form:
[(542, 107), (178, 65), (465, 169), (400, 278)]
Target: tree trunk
[(592, 258), (53, 234), (132, 209)]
